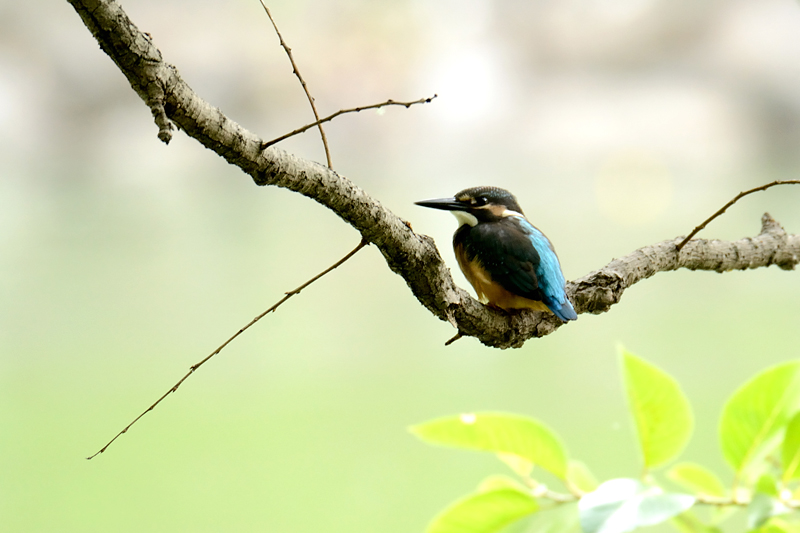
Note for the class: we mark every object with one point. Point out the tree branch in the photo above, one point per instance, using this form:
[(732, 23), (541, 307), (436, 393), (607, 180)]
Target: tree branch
[(342, 112), (412, 256), (596, 292), (735, 199), (296, 72)]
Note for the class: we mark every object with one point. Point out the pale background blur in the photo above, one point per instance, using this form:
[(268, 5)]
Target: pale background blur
[(123, 261)]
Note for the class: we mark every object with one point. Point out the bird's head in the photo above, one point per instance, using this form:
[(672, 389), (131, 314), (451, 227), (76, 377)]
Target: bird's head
[(477, 204)]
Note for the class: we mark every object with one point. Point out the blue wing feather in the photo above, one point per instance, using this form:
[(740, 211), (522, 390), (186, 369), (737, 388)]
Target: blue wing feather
[(521, 259), (548, 272)]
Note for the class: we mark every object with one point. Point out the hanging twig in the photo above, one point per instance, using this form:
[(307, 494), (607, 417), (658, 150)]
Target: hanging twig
[(453, 339), (195, 366), (342, 112), (296, 72), (726, 206)]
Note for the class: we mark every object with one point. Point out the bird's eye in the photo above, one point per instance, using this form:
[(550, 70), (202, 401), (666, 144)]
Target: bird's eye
[(478, 202)]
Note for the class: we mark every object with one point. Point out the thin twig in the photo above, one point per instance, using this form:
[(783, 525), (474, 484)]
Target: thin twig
[(342, 112), (454, 339), (195, 366), (726, 206), (296, 72), (740, 501)]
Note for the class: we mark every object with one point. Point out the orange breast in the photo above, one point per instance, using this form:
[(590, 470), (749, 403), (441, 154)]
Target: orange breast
[(492, 293)]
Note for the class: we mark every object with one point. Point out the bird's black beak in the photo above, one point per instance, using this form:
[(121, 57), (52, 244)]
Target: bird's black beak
[(446, 204)]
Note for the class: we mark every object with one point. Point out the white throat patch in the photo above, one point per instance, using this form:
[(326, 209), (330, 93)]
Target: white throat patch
[(464, 218)]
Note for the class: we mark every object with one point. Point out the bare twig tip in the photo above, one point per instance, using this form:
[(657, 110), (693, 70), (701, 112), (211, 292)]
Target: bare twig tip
[(195, 366), (454, 339), (735, 199), (332, 116), (296, 72)]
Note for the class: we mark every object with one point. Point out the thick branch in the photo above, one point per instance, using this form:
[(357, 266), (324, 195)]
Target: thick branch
[(412, 256), (596, 292)]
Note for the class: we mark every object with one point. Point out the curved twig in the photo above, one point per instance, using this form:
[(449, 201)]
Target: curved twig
[(227, 342), (598, 291), (735, 199), (410, 255), (296, 72)]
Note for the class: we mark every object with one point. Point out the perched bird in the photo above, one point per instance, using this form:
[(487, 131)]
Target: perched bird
[(509, 262)]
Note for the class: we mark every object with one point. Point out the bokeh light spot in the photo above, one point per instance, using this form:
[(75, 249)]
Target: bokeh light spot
[(633, 187)]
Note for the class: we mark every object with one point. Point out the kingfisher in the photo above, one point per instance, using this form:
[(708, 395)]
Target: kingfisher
[(509, 262)]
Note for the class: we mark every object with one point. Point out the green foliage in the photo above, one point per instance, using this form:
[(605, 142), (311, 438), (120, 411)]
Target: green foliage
[(620, 505), (662, 413), (697, 478), (755, 416), (485, 511), (790, 452), (687, 522), (580, 477), (561, 519), (759, 436), (780, 526), (763, 507), (500, 433)]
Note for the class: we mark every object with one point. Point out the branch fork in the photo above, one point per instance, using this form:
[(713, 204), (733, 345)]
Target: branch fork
[(410, 255), (413, 256)]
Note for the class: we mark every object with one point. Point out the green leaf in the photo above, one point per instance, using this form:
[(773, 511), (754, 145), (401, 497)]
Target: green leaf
[(499, 433), (721, 514), (763, 507), (560, 519), (790, 452), (484, 512), (697, 478), (777, 525), (687, 522), (767, 484), (754, 416), (521, 466), (661, 411), (498, 482), (579, 475), (621, 505)]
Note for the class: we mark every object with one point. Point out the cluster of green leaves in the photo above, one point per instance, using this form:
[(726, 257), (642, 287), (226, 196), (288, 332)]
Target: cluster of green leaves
[(759, 434)]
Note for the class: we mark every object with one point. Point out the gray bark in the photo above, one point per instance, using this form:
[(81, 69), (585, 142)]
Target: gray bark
[(413, 256)]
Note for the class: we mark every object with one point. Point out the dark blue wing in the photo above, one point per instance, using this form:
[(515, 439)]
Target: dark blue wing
[(520, 258), (551, 278)]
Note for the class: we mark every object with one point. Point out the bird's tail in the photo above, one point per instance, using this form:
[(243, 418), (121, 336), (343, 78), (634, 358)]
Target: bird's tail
[(564, 311)]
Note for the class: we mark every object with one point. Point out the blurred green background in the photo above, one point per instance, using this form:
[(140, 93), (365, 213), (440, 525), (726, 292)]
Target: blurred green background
[(124, 261)]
